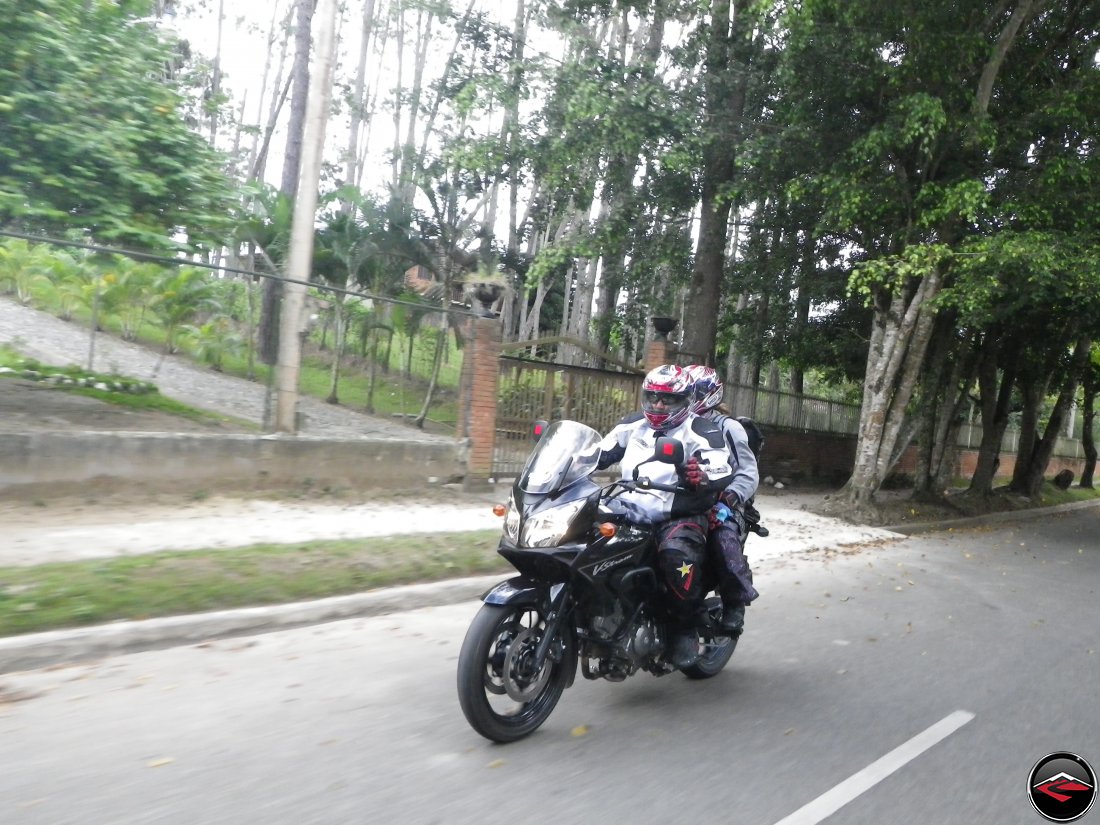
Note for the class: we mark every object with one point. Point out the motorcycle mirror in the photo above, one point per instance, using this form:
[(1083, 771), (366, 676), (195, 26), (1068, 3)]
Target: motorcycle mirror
[(539, 429), (669, 450)]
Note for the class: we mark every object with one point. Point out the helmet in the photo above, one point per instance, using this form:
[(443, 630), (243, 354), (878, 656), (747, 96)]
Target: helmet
[(707, 388), (666, 397)]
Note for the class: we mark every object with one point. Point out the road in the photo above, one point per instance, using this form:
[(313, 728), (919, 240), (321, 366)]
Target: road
[(913, 681)]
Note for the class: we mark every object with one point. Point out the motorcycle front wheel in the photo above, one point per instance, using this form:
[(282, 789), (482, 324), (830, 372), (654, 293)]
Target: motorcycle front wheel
[(501, 694), (716, 652)]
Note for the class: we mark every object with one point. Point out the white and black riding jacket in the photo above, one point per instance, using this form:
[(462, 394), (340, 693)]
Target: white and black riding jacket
[(632, 442)]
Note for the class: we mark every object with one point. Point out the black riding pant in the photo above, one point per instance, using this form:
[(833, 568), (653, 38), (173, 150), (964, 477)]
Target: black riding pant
[(681, 553), (726, 545)]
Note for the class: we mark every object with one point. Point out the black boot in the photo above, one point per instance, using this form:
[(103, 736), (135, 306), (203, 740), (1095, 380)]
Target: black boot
[(683, 648), (733, 619)]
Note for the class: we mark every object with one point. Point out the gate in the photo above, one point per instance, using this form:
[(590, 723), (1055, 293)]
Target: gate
[(534, 390)]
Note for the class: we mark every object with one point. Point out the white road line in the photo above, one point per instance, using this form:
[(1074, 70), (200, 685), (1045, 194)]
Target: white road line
[(837, 797)]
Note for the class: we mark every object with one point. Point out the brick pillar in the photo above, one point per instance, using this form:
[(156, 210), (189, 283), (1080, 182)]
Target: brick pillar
[(657, 352), (481, 388)]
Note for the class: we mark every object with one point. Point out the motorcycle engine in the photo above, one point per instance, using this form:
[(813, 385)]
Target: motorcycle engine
[(620, 655)]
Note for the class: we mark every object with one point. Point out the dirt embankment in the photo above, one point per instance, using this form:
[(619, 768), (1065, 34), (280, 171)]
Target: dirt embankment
[(29, 406)]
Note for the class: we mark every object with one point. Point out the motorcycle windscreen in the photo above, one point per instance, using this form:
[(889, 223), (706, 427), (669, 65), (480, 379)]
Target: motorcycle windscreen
[(568, 451)]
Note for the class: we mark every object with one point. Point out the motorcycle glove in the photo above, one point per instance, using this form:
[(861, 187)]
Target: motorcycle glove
[(694, 475)]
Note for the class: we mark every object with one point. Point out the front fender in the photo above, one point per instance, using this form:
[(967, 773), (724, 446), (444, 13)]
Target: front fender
[(516, 590)]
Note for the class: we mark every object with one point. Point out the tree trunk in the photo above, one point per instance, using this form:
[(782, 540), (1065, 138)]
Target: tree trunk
[(338, 334), (1088, 440), (1032, 392), (996, 405), (216, 76), (398, 99), (806, 271), (949, 375), (270, 321), (1032, 481), (254, 152), (437, 362), (409, 161), (725, 85), (358, 101), (899, 339)]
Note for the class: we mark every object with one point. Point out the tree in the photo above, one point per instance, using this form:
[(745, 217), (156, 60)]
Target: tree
[(733, 41), (919, 173), (92, 136), (1088, 436)]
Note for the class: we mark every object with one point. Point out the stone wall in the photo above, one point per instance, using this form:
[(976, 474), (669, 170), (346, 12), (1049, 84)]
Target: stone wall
[(64, 463)]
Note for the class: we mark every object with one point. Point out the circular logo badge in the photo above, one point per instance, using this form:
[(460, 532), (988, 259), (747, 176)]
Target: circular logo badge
[(1062, 787)]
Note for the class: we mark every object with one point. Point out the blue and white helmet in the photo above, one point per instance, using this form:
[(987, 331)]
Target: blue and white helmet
[(708, 389)]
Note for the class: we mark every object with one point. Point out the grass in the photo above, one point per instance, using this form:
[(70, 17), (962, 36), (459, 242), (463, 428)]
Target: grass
[(73, 594), (1050, 495), (140, 401)]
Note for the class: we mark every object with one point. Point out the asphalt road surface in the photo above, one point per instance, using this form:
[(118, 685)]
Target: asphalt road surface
[(912, 682)]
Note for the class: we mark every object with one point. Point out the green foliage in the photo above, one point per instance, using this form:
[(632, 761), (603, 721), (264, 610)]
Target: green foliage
[(894, 272), (14, 365), (182, 294), (214, 341), (23, 265), (91, 135)]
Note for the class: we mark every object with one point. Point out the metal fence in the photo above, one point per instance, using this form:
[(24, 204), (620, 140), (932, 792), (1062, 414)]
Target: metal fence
[(534, 390), (792, 411), (970, 437)]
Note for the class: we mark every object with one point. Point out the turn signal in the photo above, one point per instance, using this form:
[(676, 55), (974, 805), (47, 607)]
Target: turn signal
[(499, 510), (607, 529)]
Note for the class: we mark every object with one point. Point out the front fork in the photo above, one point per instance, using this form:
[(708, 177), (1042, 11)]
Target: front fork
[(520, 591)]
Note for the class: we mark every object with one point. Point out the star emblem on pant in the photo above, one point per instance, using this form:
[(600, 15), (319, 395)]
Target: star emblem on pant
[(685, 569)]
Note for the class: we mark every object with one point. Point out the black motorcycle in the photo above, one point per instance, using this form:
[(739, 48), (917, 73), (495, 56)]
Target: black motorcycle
[(588, 592)]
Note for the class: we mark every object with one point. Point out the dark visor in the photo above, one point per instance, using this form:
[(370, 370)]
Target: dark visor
[(669, 399)]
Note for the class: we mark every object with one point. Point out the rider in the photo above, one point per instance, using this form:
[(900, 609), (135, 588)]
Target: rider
[(682, 517), (726, 540)]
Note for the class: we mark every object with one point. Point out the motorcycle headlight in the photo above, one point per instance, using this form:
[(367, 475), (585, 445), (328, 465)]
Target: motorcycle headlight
[(546, 529), (511, 521)]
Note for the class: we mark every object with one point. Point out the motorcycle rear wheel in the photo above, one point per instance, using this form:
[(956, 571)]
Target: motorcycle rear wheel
[(500, 696), (716, 652)]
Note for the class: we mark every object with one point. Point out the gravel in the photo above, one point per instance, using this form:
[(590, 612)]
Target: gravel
[(46, 338)]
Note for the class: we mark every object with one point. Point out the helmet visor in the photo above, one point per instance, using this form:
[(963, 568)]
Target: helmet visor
[(670, 400)]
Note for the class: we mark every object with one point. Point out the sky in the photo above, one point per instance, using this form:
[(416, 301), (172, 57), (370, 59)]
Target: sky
[(244, 51)]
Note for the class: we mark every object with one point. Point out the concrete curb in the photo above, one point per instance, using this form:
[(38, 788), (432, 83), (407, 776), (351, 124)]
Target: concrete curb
[(35, 650), (987, 519), (89, 643)]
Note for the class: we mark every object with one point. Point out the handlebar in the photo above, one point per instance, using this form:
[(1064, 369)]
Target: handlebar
[(644, 483)]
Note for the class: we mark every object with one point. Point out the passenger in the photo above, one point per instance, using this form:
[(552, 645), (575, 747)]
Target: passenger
[(726, 540)]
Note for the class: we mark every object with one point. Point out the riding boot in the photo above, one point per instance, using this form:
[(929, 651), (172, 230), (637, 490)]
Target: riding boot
[(683, 648), (733, 610), (733, 619)]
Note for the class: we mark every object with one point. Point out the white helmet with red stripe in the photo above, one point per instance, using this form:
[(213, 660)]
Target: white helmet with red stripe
[(666, 397)]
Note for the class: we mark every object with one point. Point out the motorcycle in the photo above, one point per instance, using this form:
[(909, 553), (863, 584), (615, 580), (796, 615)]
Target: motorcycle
[(587, 594)]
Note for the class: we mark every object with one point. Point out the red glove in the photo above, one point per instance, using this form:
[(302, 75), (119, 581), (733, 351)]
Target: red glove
[(694, 475)]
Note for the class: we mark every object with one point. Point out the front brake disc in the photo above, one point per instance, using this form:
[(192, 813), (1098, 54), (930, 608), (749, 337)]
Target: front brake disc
[(523, 646)]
